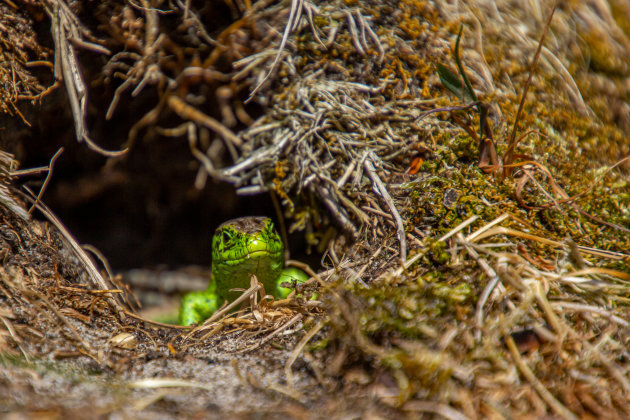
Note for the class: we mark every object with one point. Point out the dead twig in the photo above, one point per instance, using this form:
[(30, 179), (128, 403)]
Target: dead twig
[(187, 112), (382, 191), (65, 26), (51, 166), (268, 338), (295, 14)]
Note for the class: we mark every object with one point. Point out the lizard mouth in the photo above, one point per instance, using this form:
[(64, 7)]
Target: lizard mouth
[(257, 254), (259, 248), (255, 250)]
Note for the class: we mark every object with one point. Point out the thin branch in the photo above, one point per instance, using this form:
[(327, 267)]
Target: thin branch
[(64, 27), (400, 228), (51, 166), (294, 17)]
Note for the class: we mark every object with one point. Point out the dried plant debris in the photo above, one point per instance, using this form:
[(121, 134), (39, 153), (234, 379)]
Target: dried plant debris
[(6, 198), (449, 320), (52, 307), (19, 52), (453, 287)]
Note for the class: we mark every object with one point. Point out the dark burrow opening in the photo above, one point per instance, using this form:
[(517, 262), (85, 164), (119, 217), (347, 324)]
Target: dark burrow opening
[(140, 217), (140, 211)]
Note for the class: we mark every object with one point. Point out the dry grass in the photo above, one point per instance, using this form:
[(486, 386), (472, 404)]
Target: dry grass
[(450, 290)]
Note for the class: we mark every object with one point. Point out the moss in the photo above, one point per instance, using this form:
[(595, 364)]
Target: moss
[(404, 307), (465, 148), (438, 252)]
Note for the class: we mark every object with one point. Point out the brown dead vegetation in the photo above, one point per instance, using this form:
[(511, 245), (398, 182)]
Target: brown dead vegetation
[(461, 280)]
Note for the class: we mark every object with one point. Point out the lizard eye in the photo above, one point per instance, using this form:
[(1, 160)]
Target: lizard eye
[(225, 237)]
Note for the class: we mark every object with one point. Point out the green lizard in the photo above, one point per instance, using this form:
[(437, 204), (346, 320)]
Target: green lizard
[(241, 247)]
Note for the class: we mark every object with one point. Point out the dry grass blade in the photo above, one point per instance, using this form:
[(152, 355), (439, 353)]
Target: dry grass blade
[(487, 226), (459, 227), (47, 180), (288, 372), (508, 157), (430, 262), (402, 239), (488, 289), (247, 294), (153, 322), (154, 383), (277, 331), (557, 407), (295, 14), (620, 275), (487, 232), (14, 336), (563, 305)]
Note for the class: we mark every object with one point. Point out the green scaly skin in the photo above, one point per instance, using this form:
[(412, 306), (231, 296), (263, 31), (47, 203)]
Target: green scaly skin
[(240, 248)]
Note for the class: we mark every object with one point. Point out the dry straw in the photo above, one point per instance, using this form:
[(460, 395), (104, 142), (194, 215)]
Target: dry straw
[(437, 268)]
